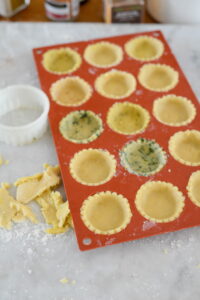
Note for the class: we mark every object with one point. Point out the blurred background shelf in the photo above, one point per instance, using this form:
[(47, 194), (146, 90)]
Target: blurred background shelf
[(89, 12)]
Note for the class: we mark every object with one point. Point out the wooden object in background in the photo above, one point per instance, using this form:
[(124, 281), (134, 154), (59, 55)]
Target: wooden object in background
[(89, 12)]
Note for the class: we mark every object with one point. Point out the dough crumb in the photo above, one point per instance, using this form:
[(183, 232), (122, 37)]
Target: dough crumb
[(165, 251), (5, 185), (64, 280), (198, 266), (3, 161)]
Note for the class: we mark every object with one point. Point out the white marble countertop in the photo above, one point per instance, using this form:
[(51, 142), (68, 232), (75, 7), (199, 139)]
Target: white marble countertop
[(165, 267)]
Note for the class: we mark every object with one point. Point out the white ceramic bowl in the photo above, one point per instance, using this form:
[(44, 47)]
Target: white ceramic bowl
[(175, 11)]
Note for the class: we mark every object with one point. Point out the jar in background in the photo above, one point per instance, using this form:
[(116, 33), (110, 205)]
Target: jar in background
[(62, 10), (123, 11), (9, 8)]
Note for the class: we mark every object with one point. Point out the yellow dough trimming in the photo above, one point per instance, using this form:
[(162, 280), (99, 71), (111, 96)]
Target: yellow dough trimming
[(159, 201), (106, 213), (184, 146), (193, 188), (127, 118), (55, 211), (144, 48), (115, 84), (13, 211), (103, 54), (30, 187), (174, 110), (158, 77), (93, 166), (81, 126), (61, 61), (71, 91)]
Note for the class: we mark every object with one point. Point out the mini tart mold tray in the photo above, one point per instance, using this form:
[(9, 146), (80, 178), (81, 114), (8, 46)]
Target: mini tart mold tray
[(127, 118), (120, 108), (61, 61), (144, 48), (115, 84), (158, 77), (71, 91), (81, 126), (184, 146), (143, 157), (93, 166), (106, 213), (103, 54), (174, 110), (159, 201), (193, 188)]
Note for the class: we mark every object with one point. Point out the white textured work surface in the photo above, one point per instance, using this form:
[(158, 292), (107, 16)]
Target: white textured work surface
[(165, 267)]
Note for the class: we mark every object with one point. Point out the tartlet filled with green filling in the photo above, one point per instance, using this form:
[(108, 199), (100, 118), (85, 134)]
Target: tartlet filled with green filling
[(143, 157), (81, 126)]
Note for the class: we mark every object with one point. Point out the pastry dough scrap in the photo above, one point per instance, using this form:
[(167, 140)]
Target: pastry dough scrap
[(174, 110), (28, 188), (55, 211), (61, 61), (158, 77), (106, 213), (12, 210), (184, 146), (81, 126), (103, 54), (193, 188), (144, 48), (71, 91), (159, 201), (127, 118), (143, 157), (115, 84), (93, 166)]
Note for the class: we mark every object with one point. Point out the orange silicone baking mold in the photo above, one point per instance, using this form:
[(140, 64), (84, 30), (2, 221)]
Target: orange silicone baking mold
[(123, 182)]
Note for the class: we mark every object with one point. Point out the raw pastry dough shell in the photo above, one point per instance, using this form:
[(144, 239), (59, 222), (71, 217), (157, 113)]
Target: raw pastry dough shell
[(91, 201), (193, 188), (141, 141), (63, 85), (179, 101), (114, 112), (178, 198), (103, 46), (129, 84), (180, 136), (107, 158), (50, 55), (145, 74), (89, 139), (144, 41)]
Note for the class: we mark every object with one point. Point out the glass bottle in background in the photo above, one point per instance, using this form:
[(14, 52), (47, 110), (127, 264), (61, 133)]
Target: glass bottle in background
[(9, 8), (62, 10)]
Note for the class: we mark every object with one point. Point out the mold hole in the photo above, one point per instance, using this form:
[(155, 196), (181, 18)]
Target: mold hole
[(87, 241)]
